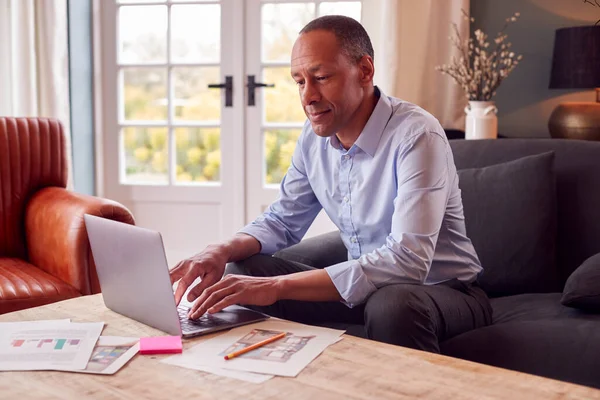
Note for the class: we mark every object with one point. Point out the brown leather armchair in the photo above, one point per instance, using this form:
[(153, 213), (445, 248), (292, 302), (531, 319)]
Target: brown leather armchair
[(44, 251)]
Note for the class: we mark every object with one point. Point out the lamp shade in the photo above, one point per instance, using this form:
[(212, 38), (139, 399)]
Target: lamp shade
[(576, 59)]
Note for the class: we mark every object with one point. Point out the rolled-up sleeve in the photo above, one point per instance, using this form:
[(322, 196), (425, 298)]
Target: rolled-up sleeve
[(423, 187), (286, 220), (351, 282)]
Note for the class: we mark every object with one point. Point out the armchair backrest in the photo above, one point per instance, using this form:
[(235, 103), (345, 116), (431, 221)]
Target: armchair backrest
[(32, 156)]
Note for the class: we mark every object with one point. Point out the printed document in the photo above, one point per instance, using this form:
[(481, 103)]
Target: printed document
[(284, 357), (44, 345), (191, 361), (110, 354)]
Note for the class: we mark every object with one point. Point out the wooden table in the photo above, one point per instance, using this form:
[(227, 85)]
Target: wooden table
[(351, 369)]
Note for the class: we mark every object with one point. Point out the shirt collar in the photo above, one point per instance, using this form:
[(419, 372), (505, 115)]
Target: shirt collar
[(368, 140)]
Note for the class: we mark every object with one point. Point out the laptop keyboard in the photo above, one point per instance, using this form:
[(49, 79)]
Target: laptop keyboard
[(206, 321)]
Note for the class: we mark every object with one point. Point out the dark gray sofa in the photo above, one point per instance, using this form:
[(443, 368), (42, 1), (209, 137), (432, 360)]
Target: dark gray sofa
[(532, 331)]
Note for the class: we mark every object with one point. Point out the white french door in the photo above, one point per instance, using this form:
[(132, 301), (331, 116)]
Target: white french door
[(193, 162), (274, 124)]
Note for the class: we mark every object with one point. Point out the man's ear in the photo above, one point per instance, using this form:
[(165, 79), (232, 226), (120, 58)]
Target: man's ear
[(367, 69)]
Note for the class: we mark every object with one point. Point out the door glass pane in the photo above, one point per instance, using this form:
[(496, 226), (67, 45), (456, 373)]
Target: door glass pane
[(348, 8), (282, 103), (144, 94), (198, 155), (146, 155), (195, 33), (279, 145), (193, 100), (142, 34), (280, 26)]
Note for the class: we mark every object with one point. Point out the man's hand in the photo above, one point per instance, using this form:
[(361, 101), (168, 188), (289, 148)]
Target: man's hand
[(236, 289), (313, 285), (208, 265)]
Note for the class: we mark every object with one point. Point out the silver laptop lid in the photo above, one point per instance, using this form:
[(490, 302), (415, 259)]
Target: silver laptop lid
[(133, 273)]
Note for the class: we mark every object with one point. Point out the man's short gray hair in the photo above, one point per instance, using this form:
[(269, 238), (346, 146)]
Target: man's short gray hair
[(352, 37)]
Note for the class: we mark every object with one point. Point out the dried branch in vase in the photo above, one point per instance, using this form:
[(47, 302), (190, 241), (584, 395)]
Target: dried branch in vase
[(594, 3), (479, 70)]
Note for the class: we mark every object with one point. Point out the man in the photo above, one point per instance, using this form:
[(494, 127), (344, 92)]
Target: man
[(383, 171)]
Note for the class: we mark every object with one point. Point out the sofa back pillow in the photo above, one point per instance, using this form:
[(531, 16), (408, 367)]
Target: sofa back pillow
[(510, 216), (582, 289)]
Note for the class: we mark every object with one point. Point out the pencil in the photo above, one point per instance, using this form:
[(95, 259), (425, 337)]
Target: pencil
[(254, 346)]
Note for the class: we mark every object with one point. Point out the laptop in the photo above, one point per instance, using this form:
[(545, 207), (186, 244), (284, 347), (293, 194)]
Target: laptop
[(134, 278)]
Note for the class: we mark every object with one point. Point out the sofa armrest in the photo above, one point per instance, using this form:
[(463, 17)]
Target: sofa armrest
[(318, 252), (57, 240)]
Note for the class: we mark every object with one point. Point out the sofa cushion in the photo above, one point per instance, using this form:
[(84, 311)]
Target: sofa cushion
[(534, 307), (563, 348), (582, 289), (23, 285), (510, 216), (534, 333), (577, 187)]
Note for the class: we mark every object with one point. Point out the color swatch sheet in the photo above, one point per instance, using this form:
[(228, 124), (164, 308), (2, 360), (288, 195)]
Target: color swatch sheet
[(40, 345)]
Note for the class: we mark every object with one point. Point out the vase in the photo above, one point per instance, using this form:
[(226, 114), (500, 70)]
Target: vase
[(481, 121)]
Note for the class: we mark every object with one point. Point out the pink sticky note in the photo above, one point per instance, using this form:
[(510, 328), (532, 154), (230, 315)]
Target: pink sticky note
[(160, 345)]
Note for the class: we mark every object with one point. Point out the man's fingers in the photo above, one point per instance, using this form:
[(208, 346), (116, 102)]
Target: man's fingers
[(225, 302), (206, 281), (185, 282), (178, 271), (210, 284), (202, 299), (208, 299)]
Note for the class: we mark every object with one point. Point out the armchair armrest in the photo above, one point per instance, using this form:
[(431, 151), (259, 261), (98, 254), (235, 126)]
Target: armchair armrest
[(57, 240)]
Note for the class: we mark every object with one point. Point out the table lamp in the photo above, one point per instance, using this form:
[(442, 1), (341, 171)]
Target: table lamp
[(576, 65)]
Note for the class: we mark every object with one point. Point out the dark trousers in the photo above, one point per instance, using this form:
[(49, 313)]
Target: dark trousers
[(415, 316)]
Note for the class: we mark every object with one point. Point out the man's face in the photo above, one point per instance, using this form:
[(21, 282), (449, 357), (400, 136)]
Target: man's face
[(329, 82)]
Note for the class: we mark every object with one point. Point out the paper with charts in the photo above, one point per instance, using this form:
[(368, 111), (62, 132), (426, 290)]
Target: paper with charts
[(110, 354), (284, 357), (47, 345)]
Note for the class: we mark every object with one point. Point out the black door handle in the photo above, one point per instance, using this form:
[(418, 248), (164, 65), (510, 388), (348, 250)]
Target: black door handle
[(228, 86), (252, 84)]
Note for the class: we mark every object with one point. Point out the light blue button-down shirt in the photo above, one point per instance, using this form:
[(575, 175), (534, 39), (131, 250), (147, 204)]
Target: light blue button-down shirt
[(393, 195)]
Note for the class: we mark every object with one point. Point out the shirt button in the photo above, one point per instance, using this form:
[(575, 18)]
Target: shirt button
[(353, 239), (346, 157), (346, 199)]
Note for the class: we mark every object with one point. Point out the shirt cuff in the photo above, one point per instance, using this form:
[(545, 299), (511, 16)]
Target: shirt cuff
[(264, 237), (351, 282)]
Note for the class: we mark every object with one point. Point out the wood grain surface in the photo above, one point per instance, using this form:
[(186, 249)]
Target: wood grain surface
[(353, 368)]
